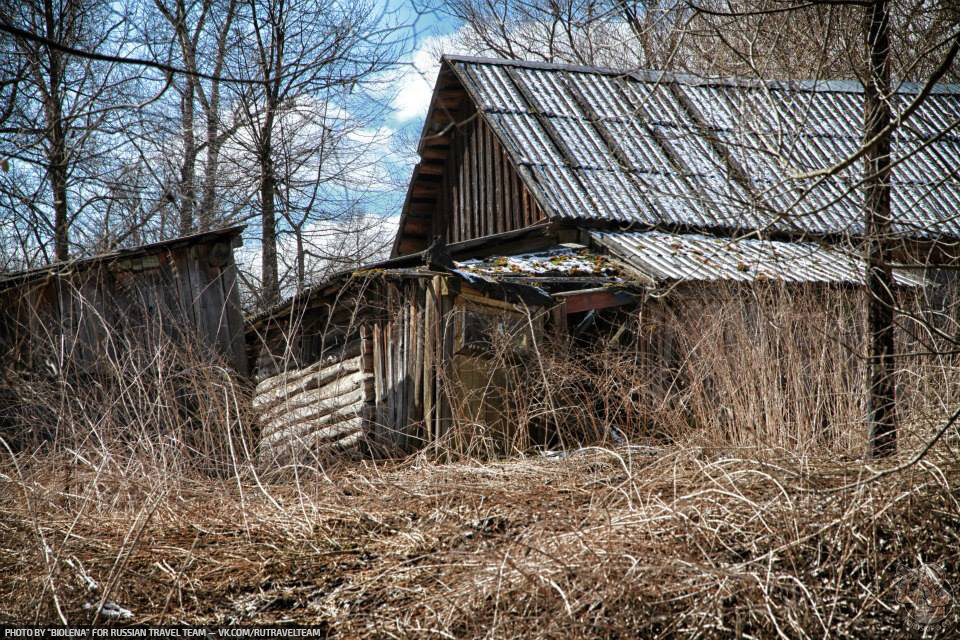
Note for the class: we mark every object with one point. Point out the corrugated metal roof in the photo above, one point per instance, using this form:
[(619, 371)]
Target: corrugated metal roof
[(669, 257), (655, 148)]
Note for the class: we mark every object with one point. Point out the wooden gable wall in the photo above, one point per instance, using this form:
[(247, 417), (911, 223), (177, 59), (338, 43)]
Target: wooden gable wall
[(466, 186), (481, 193)]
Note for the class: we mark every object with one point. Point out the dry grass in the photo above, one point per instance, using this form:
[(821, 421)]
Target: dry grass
[(604, 543), (715, 523)]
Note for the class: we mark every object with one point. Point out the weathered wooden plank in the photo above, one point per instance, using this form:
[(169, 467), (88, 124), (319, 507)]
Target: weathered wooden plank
[(410, 377), (468, 170), (306, 441), (316, 401), (388, 346), (402, 370), (423, 189), (481, 183), (499, 187), (234, 317), (206, 316), (577, 301), (345, 352), (458, 204), (431, 168), (429, 321), (339, 386), (447, 348), (212, 299), (415, 226), (490, 205), (378, 378), (316, 378), (420, 328), (311, 417)]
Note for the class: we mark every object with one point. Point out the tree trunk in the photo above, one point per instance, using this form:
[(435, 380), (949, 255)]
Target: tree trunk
[(268, 221), (301, 259), (881, 365), (188, 168), (58, 186), (57, 166), (211, 169)]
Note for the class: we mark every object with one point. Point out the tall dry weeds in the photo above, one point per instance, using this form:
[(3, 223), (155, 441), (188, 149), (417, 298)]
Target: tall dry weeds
[(727, 523), (760, 368)]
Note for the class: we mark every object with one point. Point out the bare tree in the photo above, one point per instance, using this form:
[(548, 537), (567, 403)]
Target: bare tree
[(621, 33), (300, 52), (199, 34), (61, 119)]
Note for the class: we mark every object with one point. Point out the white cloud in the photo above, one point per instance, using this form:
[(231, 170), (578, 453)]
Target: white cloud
[(415, 84)]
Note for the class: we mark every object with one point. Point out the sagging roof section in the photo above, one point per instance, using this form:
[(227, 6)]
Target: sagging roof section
[(601, 146), (228, 234), (572, 261), (668, 257)]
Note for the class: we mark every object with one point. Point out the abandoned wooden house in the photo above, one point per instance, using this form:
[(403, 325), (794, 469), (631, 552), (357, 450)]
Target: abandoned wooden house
[(66, 317), (645, 182)]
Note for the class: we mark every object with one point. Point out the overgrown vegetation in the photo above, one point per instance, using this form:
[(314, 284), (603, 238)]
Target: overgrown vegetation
[(738, 504)]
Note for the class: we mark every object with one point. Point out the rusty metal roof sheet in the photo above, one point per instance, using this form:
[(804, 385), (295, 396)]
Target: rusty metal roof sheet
[(664, 149), (670, 257)]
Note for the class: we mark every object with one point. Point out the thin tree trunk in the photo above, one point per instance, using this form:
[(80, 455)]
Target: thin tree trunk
[(57, 164), (208, 204), (58, 186), (881, 365), (188, 168), (268, 219), (56, 143), (301, 260)]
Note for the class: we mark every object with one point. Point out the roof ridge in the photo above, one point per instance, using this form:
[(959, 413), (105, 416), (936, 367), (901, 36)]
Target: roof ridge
[(673, 77)]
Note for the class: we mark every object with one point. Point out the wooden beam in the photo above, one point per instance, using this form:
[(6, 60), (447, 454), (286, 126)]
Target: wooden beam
[(431, 168), (434, 153), (423, 207), (411, 245), (424, 189), (587, 299), (417, 226), (437, 140)]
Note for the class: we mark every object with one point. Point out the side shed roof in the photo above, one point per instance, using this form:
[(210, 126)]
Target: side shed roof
[(8, 280), (668, 257)]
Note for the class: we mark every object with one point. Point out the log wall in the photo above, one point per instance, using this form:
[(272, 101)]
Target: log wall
[(321, 408)]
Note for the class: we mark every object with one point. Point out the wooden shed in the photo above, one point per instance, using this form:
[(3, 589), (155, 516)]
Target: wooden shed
[(74, 311), (669, 180), (370, 356)]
